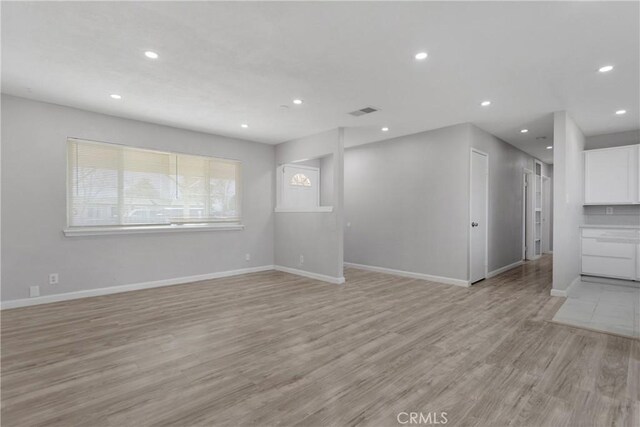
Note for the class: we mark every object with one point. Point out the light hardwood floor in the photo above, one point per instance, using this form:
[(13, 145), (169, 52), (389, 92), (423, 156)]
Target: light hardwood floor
[(276, 349)]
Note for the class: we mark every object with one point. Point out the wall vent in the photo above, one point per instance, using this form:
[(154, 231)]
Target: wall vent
[(363, 111)]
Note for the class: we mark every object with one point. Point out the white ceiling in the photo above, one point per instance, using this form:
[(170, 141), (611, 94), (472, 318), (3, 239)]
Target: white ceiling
[(223, 64)]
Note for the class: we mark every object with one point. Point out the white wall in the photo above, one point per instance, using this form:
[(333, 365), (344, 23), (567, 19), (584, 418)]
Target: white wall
[(612, 140), (34, 138), (622, 215), (568, 144), (326, 181), (317, 236), (406, 200)]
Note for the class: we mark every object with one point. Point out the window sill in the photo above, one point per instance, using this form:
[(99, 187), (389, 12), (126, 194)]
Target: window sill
[(144, 229), (301, 210)]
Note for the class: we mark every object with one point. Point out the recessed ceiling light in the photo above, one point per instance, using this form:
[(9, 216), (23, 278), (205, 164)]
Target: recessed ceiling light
[(115, 96), (297, 101), (385, 129), (549, 147), (524, 131), (244, 125), (150, 54), (606, 68), (621, 112), (420, 56), (485, 103)]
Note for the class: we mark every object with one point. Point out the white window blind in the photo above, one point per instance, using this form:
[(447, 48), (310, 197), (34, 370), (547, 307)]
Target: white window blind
[(115, 185)]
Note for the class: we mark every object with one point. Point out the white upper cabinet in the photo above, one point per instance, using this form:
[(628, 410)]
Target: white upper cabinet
[(611, 176)]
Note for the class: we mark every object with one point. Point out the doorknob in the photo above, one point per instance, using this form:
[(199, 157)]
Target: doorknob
[(474, 224)]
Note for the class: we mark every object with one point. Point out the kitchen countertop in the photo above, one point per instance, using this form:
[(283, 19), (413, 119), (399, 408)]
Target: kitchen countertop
[(619, 227)]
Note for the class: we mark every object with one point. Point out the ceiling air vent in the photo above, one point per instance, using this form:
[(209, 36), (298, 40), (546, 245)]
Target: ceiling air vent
[(363, 111)]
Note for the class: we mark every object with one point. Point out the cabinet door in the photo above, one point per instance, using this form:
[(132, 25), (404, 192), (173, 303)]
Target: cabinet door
[(617, 268), (610, 249), (611, 176)]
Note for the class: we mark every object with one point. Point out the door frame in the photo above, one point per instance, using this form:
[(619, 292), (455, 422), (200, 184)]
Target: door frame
[(526, 198), (486, 206), (534, 208), (546, 211)]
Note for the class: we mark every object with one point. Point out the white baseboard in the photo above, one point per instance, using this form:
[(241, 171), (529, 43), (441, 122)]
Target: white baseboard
[(503, 269), (127, 288), (412, 275), (565, 293), (310, 275)]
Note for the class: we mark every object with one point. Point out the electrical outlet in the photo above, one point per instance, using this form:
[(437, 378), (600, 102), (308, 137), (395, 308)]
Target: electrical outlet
[(53, 279), (608, 210), (247, 257), (34, 291), (301, 259)]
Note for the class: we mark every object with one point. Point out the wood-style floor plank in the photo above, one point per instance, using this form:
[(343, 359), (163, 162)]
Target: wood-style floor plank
[(275, 349)]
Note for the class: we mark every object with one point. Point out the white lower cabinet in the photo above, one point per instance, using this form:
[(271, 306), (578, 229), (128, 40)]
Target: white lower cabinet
[(611, 253), (609, 267)]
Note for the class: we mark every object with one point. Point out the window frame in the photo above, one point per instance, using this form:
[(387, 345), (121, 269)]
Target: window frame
[(305, 183), (229, 224)]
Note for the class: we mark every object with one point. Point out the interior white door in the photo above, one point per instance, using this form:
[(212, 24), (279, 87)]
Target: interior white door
[(300, 186), (478, 209)]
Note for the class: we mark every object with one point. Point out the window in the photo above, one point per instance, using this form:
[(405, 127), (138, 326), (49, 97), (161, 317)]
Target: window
[(115, 185), (300, 180)]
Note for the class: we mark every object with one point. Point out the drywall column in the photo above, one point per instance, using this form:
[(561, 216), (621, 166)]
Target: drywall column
[(315, 236), (568, 145)]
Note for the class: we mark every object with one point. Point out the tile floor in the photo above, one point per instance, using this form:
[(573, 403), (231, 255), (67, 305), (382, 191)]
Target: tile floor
[(602, 307)]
